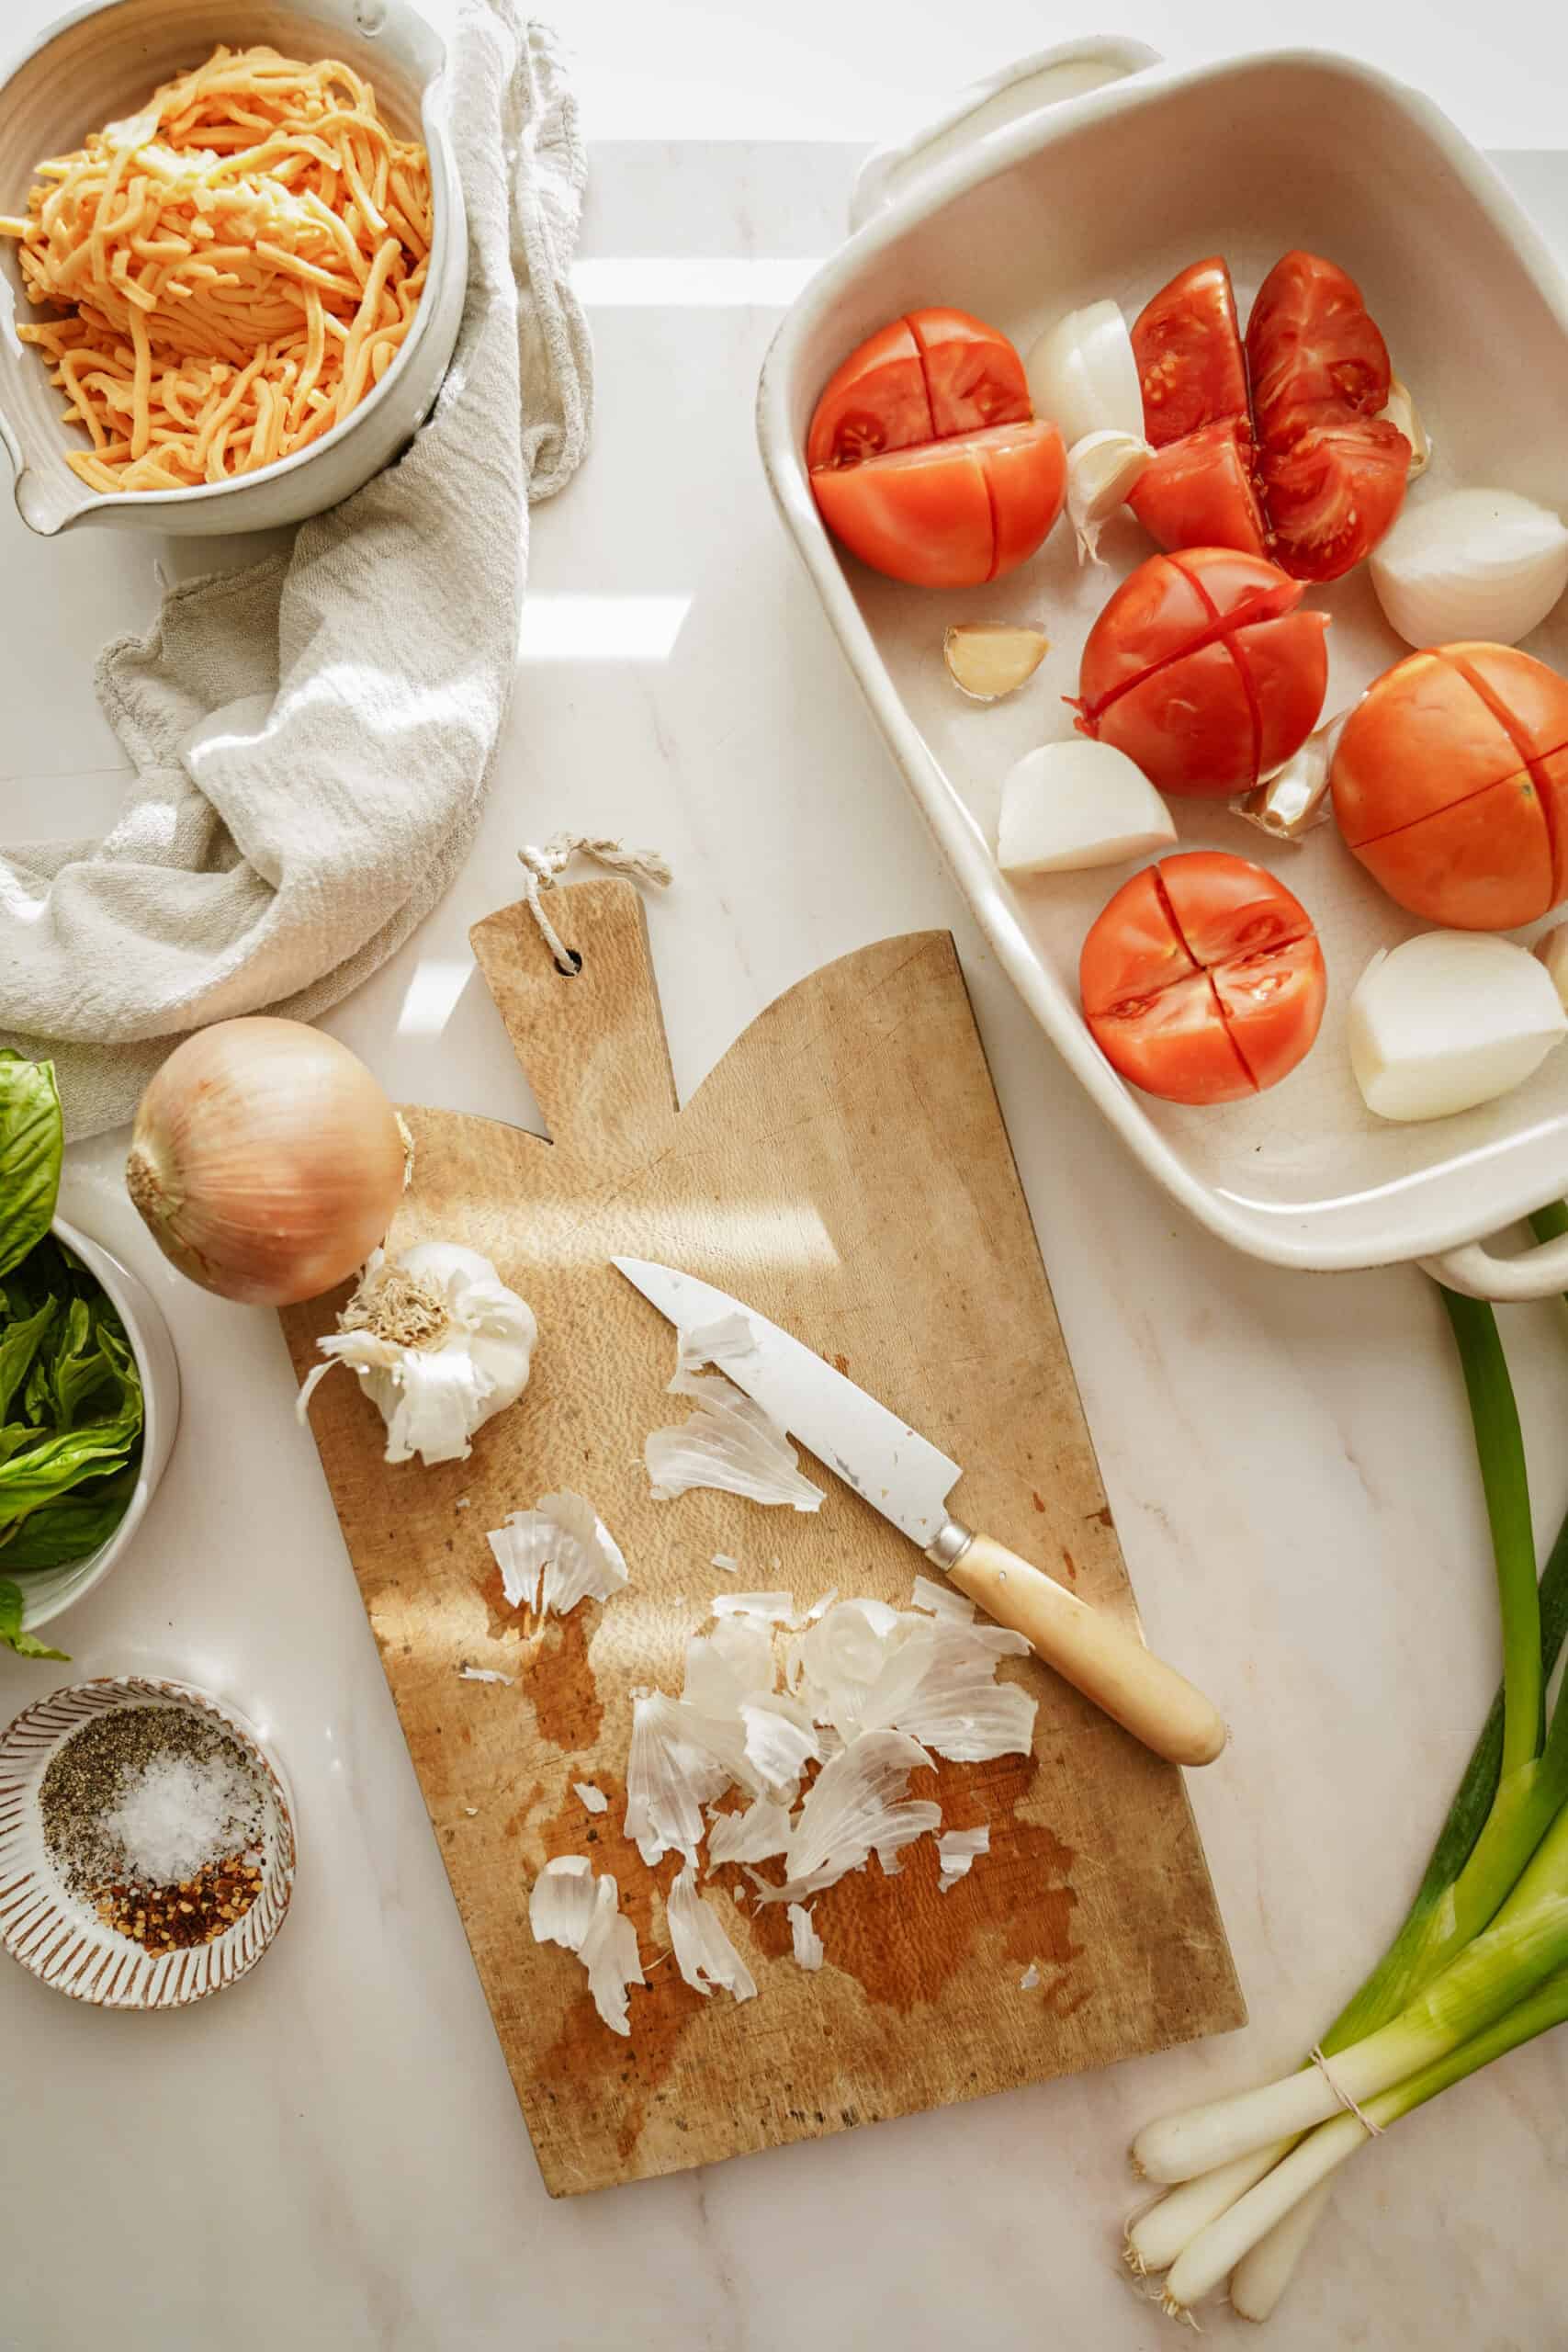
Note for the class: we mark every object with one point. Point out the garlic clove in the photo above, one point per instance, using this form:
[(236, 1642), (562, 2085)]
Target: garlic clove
[(1553, 950), (1401, 412), (1077, 804), (1289, 804), (986, 659), (1450, 1019), (1103, 470)]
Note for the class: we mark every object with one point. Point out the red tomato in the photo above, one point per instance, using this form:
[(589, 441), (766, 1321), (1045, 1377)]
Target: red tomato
[(1450, 784), (1186, 342), (1333, 495), (1201, 670), (948, 513), (1332, 474), (925, 456), (1315, 356), (1198, 493), (1203, 980), (1312, 478)]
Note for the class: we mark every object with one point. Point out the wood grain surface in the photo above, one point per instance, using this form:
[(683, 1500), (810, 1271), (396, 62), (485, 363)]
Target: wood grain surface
[(844, 1170)]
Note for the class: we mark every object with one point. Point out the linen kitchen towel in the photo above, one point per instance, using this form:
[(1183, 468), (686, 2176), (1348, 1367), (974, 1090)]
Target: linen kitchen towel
[(313, 737)]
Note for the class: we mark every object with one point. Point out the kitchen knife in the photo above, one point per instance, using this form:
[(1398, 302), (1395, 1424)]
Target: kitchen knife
[(903, 1477)]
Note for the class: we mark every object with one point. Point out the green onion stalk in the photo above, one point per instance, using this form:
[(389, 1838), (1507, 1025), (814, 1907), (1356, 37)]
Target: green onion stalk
[(1480, 1963)]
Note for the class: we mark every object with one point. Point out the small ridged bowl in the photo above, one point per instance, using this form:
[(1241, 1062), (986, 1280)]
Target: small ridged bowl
[(52, 1932)]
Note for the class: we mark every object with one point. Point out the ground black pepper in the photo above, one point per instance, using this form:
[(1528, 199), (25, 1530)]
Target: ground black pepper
[(81, 1788)]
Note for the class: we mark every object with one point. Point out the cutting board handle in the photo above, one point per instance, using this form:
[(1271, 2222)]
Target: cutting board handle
[(591, 1042)]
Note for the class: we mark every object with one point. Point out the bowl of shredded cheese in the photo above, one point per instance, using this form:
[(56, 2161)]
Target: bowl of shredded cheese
[(232, 260)]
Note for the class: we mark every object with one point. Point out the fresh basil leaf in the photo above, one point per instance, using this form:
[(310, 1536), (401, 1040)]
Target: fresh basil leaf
[(56, 1462), (19, 1345), (32, 1142), (73, 1527), (11, 1635)]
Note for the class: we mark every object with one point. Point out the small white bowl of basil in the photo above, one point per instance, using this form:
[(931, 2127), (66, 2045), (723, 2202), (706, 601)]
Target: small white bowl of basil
[(89, 1382)]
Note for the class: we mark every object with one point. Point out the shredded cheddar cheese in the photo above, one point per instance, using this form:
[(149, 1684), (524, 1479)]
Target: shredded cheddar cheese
[(236, 267)]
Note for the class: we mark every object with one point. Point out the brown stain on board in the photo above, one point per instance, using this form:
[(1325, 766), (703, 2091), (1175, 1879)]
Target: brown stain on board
[(897, 1936), (1070, 1565), (660, 2011), (561, 1683), (901, 1938)]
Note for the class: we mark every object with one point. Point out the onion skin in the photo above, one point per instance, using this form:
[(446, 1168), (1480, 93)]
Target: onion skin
[(266, 1160)]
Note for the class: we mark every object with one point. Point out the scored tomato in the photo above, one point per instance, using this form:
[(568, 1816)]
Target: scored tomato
[(1203, 980), (950, 514), (1199, 491), (926, 458), (1450, 784), (1204, 672), (1187, 342)]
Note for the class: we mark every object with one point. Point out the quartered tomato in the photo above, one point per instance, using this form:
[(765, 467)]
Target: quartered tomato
[(926, 459), (1450, 784), (1204, 671), (1203, 980), (1333, 494), (1199, 491), (1333, 472), (1308, 473), (1315, 356), (1186, 342)]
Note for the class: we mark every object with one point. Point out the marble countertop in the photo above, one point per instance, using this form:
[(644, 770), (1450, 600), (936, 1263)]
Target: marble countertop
[(333, 2155)]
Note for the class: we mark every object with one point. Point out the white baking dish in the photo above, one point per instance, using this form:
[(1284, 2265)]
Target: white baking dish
[(1044, 191)]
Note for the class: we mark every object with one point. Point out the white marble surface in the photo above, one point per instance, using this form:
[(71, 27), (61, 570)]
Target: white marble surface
[(332, 2157)]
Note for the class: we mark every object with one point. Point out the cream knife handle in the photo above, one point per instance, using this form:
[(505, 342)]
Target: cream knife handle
[(1100, 1658)]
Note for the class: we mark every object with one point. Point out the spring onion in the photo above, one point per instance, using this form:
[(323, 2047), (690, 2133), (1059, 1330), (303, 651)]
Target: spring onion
[(1480, 1964)]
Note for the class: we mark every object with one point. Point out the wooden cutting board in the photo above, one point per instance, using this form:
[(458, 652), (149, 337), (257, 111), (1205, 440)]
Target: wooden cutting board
[(845, 1170)]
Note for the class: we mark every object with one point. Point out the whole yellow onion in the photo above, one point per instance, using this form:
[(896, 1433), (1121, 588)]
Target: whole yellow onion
[(267, 1161)]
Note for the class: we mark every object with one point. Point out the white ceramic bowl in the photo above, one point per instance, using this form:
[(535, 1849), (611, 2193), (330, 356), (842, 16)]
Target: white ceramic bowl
[(1091, 172), (46, 1593), (97, 65), (52, 1932)]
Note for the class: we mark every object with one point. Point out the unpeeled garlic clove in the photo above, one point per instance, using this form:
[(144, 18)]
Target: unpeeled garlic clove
[(1103, 469), (1553, 950), (1400, 411), (1288, 803), (986, 659)]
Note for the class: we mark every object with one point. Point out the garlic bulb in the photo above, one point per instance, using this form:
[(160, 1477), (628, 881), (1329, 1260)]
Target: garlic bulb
[(1473, 564), (439, 1345), (1103, 470)]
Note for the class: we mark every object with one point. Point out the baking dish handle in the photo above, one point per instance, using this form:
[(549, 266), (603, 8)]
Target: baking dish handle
[(1049, 78), (1473, 1270)]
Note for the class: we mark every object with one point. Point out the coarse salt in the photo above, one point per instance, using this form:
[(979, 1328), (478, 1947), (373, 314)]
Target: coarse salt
[(179, 1813)]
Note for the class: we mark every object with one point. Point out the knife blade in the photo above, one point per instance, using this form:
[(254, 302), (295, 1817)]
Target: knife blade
[(899, 1473), (908, 1480)]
